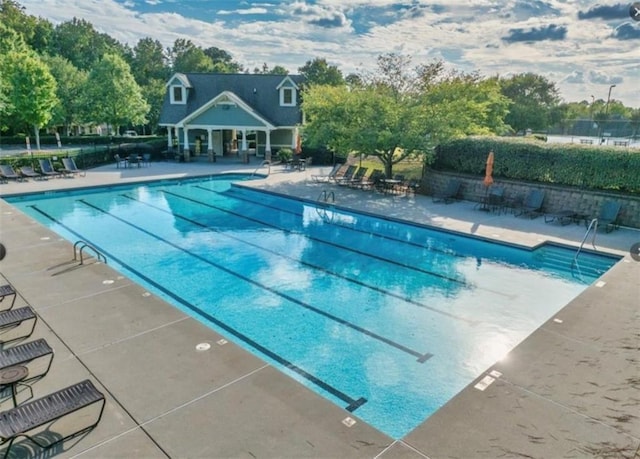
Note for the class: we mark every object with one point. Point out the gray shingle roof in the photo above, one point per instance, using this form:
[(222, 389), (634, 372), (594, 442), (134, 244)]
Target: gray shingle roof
[(265, 99)]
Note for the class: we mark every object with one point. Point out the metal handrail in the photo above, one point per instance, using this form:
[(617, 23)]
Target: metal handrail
[(266, 162), (593, 224), (325, 195), (85, 245)]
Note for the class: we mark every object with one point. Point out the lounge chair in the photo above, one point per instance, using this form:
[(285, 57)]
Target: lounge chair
[(450, 193), (19, 421), (532, 205), (11, 322), (47, 168), (357, 178), (328, 177), (348, 175), (25, 353), (7, 172), (608, 217), (71, 168), (5, 291), (27, 171), (373, 180)]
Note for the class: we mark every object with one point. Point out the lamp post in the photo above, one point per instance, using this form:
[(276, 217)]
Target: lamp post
[(606, 107)]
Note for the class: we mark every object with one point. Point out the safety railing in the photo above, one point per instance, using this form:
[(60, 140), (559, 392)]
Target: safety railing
[(327, 196), (267, 163), (593, 225), (79, 248)]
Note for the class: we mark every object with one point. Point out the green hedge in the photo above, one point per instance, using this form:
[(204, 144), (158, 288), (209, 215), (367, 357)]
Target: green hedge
[(592, 167)]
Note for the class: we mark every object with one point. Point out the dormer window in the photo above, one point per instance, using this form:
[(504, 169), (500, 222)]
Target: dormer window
[(178, 95), (288, 92)]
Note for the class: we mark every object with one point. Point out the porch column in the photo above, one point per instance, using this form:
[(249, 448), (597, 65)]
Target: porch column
[(244, 140), (294, 135), (185, 150), (210, 153), (267, 146), (169, 138)]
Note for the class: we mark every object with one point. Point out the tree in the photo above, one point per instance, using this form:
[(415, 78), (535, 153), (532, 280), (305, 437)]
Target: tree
[(32, 90), (392, 117), (533, 98), (113, 95), (318, 71), (149, 62), (71, 83), (222, 61), (277, 70), (187, 57)]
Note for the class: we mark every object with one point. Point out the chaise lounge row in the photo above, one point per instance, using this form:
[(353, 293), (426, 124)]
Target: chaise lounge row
[(7, 172), (21, 365)]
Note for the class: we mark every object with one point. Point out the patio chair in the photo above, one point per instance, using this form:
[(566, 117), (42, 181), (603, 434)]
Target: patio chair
[(373, 180), (134, 159), (69, 167), (531, 205), (450, 193), (47, 168), (27, 171), (328, 177), (5, 291), (21, 420), (120, 161), (8, 173), (608, 216), (12, 321), (146, 159)]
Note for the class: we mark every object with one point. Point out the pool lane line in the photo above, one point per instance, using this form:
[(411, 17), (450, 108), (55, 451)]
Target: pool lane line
[(352, 403), (313, 238), (425, 357), (421, 356), (229, 193)]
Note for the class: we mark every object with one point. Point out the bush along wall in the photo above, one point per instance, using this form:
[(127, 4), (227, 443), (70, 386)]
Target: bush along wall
[(590, 167)]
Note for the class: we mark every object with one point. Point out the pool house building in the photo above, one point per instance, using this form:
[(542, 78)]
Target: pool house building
[(209, 115)]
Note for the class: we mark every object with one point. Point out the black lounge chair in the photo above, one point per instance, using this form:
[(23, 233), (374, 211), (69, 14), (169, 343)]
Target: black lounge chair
[(11, 322), (8, 173), (347, 176), (47, 168), (328, 177), (5, 291), (373, 180), (26, 353), (27, 171), (532, 205), (608, 217), (71, 168), (21, 420), (450, 193), (357, 178)]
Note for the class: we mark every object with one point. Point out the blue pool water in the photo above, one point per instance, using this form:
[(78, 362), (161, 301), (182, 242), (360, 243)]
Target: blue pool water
[(388, 320)]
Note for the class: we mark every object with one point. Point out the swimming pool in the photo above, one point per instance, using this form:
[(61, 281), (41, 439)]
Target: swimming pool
[(387, 320)]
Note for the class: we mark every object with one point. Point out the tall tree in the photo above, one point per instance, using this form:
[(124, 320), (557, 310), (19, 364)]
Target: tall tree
[(222, 61), (265, 70), (186, 57), (113, 95), (32, 90), (318, 71), (149, 62), (71, 84), (533, 97)]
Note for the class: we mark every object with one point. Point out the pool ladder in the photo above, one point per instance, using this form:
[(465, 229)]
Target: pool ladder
[(78, 251), (593, 225), (327, 196), (267, 163)]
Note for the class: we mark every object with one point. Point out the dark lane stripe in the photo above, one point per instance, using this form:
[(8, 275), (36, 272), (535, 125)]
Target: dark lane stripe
[(343, 247), (264, 287), (352, 404), (305, 263)]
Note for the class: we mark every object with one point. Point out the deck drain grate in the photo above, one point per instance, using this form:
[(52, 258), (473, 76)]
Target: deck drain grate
[(203, 347)]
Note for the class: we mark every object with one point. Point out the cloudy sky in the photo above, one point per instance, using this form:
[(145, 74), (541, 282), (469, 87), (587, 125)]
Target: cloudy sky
[(583, 46)]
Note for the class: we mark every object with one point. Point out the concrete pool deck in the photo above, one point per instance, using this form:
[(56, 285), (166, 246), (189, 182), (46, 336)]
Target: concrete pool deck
[(571, 389)]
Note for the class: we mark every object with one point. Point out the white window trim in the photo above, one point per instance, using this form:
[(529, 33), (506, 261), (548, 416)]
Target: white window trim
[(182, 90), (293, 96)]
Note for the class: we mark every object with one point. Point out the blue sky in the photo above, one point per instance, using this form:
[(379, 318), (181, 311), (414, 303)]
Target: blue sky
[(583, 46)]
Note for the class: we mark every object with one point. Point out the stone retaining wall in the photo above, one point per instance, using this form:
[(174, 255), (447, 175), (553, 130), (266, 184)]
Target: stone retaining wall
[(557, 198)]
